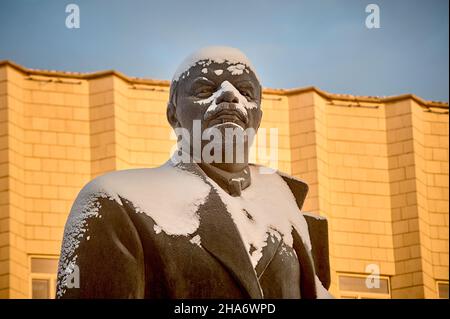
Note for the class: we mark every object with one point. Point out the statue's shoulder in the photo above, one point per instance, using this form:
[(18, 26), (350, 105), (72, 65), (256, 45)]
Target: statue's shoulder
[(154, 191), (124, 181), (317, 229), (129, 183), (298, 187), (112, 186)]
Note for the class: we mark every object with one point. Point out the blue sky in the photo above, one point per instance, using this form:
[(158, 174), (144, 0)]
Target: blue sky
[(292, 43)]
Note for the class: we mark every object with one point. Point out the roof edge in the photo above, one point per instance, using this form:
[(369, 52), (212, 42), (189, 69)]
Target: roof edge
[(288, 92), (85, 76)]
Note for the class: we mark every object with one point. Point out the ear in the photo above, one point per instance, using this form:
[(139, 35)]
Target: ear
[(171, 113), (260, 111), (259, 115)]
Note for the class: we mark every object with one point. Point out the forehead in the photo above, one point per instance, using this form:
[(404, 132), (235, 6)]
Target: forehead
[(219, 72)]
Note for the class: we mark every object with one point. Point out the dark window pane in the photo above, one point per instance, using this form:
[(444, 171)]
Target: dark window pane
[(40, 288), (44, 265), (349, 283), (443, 290)]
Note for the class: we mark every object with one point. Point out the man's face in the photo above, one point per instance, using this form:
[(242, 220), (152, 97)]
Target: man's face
[(220, 96)]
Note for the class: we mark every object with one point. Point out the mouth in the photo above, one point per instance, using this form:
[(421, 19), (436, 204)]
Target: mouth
[(228, 117)]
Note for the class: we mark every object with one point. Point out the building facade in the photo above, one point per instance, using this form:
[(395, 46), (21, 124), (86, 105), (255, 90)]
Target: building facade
[(377, 169)]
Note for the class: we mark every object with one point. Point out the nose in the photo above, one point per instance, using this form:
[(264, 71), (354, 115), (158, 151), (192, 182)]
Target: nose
[(227, 96)]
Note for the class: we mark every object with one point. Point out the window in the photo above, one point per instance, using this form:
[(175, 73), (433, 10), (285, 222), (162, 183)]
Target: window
[(43, 277), (442, 288), (353, 286)]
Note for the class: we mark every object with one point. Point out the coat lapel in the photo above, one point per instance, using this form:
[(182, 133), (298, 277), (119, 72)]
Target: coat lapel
[(220, 237), (268, 252)]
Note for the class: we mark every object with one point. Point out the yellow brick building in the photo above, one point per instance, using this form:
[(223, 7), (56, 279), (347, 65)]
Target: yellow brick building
[(377, 169)]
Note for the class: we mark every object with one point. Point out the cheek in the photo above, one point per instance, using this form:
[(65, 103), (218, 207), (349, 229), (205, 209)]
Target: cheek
[(187, 111), (255, 116)]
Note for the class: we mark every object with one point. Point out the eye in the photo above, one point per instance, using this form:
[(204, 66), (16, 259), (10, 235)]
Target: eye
[(203, 91), (247, 93)]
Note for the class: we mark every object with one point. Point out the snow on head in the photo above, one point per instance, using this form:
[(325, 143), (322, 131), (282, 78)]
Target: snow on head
[(236, 69), (217, 54)]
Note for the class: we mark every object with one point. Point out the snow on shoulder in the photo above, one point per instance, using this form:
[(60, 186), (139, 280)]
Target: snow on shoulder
[(150, 190), (315, 216), (155, 192), (217, 54)]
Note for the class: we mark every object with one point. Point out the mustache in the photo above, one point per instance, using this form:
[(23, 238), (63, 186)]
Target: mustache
[(226, 108)]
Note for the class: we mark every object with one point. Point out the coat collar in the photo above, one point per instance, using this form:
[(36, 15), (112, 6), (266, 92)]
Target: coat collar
[(232, 183)]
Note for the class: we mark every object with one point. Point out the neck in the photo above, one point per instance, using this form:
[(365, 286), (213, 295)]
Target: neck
[(232, 178), (238, 164), (230, 167)]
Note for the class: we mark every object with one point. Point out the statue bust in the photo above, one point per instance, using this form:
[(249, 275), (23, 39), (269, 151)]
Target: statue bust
[(207, 223)]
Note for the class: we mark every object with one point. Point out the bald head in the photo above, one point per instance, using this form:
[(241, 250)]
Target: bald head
[(213, 54), (213, 81)]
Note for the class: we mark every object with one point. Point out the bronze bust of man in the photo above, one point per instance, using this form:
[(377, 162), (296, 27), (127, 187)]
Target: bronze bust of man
[(198, 228)]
